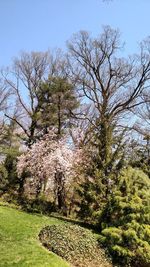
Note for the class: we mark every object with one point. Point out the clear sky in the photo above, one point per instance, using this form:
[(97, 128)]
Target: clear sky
[(36, 25)]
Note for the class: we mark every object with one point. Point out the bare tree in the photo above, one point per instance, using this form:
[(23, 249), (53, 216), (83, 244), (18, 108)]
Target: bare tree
[(112, 84), (25, 77)]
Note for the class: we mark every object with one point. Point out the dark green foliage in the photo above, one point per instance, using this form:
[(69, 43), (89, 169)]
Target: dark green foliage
[(9, 146), (125, 220), (3, 179), (57, 100), (91, 194), (10, 165), (102, 171), (75, 244), (86, 205), (38, 205)]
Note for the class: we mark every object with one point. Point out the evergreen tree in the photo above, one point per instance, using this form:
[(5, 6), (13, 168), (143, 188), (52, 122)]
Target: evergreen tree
[(3, 179), (125, 220), (57, 102), (10, 164)]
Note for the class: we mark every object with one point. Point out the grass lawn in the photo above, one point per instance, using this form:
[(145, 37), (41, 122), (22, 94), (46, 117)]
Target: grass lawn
[(19, 244)]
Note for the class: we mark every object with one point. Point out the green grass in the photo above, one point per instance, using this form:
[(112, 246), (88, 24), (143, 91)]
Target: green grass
[(19, 244)]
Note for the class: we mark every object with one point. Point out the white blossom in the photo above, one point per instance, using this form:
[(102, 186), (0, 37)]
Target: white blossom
[(49, 156)]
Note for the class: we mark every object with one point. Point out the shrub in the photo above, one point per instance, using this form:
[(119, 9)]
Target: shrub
[(75, 244), (125, 220)]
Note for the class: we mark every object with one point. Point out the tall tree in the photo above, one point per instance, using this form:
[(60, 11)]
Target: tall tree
[(112, 84)]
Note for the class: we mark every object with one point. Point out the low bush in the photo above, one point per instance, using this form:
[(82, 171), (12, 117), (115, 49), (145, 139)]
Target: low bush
[(75, 244)]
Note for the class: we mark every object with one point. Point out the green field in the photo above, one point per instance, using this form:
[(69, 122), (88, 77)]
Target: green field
[(19, 244)]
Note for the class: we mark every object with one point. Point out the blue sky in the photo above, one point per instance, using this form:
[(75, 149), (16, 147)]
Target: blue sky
[(36, 25)]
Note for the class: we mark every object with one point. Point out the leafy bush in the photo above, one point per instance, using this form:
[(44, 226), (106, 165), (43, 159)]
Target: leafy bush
[(75, 244), (125, 220)]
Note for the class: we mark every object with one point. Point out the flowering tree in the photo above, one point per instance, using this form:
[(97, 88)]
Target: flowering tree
[(51, 163)]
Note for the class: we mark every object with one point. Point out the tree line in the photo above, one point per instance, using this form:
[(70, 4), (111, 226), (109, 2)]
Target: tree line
[(75, 138)]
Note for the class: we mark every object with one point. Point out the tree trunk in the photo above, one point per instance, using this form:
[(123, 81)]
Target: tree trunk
[(60, 190)]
